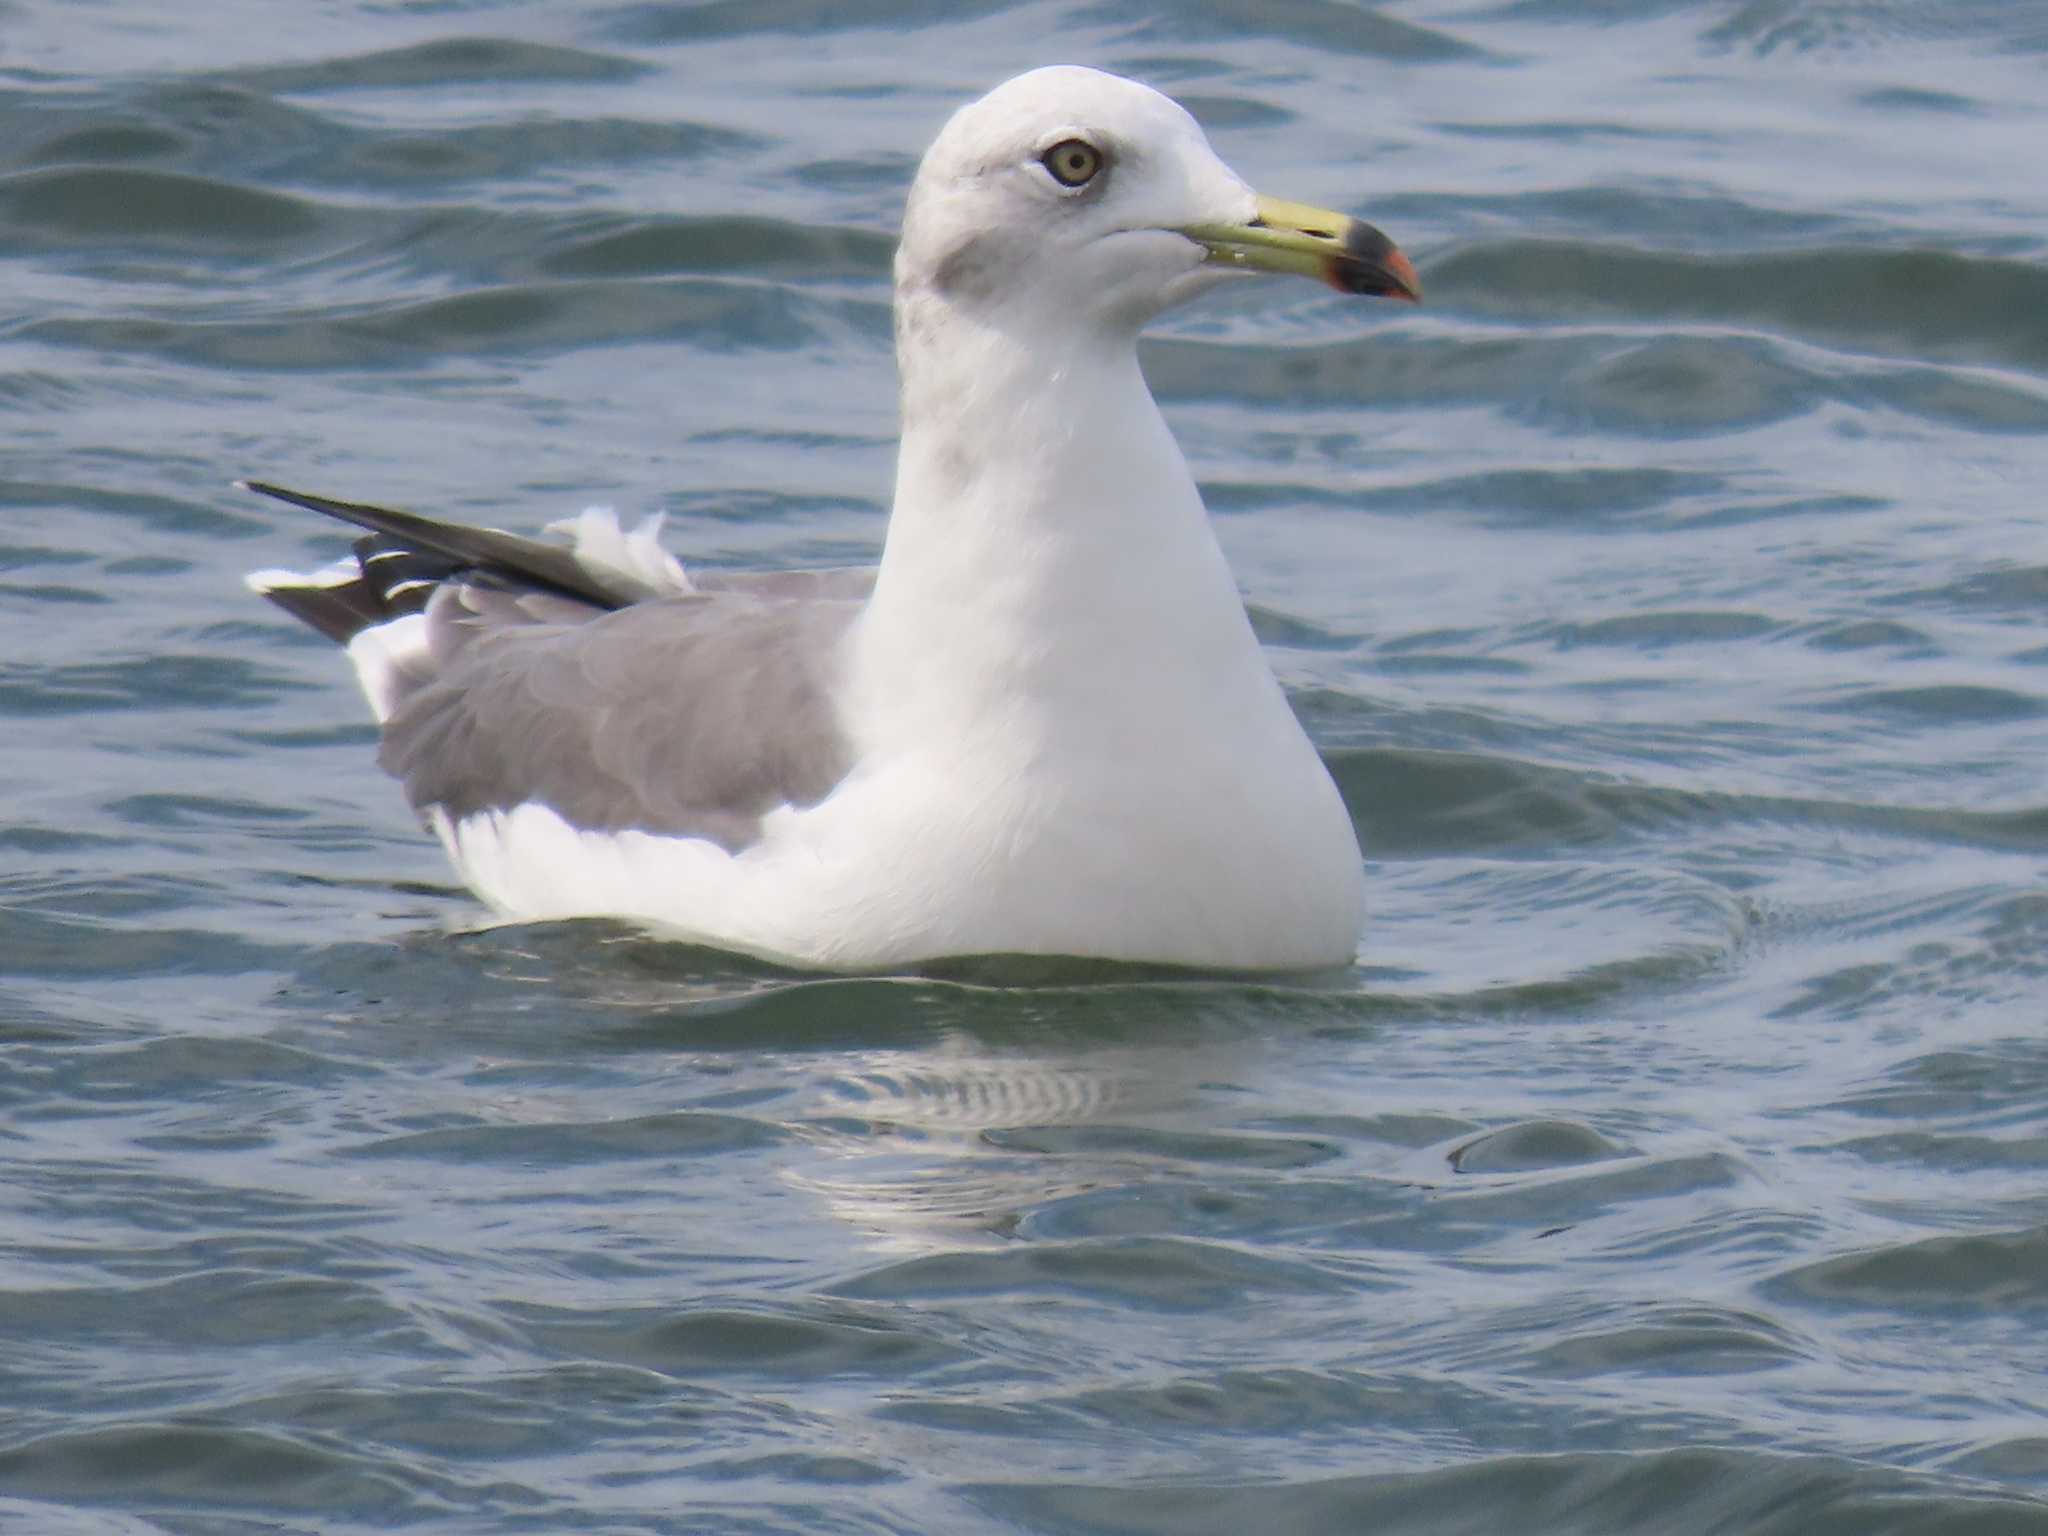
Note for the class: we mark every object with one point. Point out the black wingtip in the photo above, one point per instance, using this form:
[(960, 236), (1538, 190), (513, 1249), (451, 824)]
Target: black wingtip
[(361, 513), (339, 612), (530, 561)]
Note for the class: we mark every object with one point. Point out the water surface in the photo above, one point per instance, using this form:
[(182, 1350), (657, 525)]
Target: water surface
[(1665, 594)]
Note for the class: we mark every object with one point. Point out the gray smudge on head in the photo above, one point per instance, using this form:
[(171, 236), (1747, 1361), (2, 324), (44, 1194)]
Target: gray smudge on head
[(972, 271)]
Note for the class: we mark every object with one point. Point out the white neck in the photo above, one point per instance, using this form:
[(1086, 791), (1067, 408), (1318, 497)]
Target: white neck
[(1066, 725), (1063, 561)]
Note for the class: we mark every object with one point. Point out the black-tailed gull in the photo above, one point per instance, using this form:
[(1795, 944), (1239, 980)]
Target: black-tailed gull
[(1041, 726)]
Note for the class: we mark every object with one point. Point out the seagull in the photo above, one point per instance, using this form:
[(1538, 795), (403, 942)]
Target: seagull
[(1042, 726)]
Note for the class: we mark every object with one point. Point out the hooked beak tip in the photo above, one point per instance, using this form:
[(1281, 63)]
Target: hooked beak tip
[(1372, 265)]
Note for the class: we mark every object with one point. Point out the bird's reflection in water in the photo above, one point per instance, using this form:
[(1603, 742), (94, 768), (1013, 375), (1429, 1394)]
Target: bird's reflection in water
[(941, 1109), (915, 1112)]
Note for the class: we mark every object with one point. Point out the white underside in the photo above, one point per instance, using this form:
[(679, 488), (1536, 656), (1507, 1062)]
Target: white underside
[(1219, 842), (899, 866)]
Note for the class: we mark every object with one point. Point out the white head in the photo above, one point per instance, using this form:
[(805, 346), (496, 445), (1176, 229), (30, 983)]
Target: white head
[(1068, 201), (1060, 193)]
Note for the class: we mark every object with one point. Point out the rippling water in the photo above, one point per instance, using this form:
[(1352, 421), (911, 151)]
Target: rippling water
[(1666, 594)]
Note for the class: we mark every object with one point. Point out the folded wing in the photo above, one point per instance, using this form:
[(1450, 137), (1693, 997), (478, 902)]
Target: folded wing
[(509, 671)]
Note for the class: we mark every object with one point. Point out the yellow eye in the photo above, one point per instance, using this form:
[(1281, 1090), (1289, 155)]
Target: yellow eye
[(1073, 162)]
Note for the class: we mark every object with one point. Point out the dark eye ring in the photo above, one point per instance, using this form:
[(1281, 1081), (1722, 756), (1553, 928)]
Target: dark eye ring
[(1072, 162)]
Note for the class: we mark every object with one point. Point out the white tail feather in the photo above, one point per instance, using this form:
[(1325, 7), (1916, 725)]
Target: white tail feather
[(616, 557)]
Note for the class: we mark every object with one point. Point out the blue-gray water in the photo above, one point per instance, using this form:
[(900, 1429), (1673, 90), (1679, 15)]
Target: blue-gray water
[(1666, 592)]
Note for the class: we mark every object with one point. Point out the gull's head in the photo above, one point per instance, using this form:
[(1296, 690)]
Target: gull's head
[(1071, 197)]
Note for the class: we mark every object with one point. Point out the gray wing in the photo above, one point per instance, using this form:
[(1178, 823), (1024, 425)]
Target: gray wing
[(689, 716), (852, 583), (549, 679)]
